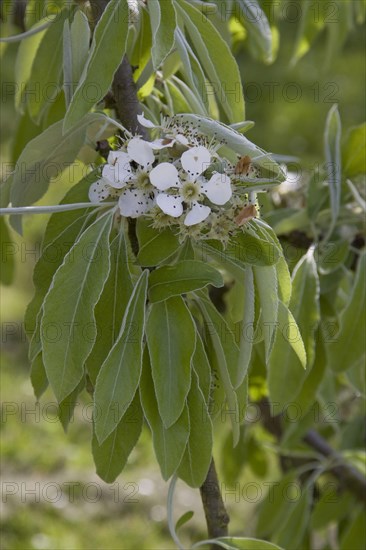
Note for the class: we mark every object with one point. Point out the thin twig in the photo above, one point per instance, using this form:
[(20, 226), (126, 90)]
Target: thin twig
[(346, 474)]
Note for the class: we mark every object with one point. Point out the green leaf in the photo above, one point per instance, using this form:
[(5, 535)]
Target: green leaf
[(355, 535), (284, 280), (59, 220), (294, 348), (224, 356), (184, 518), (111, 306), (67, 406), (291, 221), (353, 151), (308, 28), (102, 62), (38, 376), (120, 373), (293, 529), (242, 399), (155, 246), (171, 338), (255, 250), (247, 324), (62, 230), (283, 273), (182, 277), (235, 458), (338, 28), (76, 40), (276, 505), (332, 146), (202, 368), (140, 56), (163, 24), (242, 543), (68, 327), (236, 143), (304, 303), (307, 395), (341, 354), (259, 31), (169, 443), (198, 453), (265, 279), (216, 59), (45, 157), (332, 256), (7, 266), (316, 196), (186, 251), (195, 88), (26, 130), (216, 324), (356, 375), (222, 258), (330, 507), (287, 360), (111, 456), (44, 81), (45, 268), (23, 65), (179, 102), (357, 195), (243, 250)]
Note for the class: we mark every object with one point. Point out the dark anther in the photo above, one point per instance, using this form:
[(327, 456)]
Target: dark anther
[(103, 148)]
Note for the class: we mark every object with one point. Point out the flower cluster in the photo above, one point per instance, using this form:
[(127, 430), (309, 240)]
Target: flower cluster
[(176, 179)]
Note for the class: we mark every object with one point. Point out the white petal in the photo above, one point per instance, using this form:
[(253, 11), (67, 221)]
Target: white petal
[(170, 204), (99, 191), (218, 189), (196, 160), (161, 143), (197, 214), (164, 175), (121, 157), (145, 121), (115, 175), (181, 139), (134, 203), (140, 151)]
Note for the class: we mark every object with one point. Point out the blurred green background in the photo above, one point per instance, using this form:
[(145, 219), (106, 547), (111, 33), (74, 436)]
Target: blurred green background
[(36, 454)]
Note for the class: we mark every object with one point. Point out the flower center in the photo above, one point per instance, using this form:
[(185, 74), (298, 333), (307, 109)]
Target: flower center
[(190, 191), (143, 182)]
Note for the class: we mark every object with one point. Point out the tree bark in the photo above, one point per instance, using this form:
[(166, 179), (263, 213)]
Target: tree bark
[(123, 86), (217, 518)]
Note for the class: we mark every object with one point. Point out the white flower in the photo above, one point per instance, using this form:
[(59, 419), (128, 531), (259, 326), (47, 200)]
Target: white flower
[(178, 188), (119, 173), (189, 186), (167, 141)]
